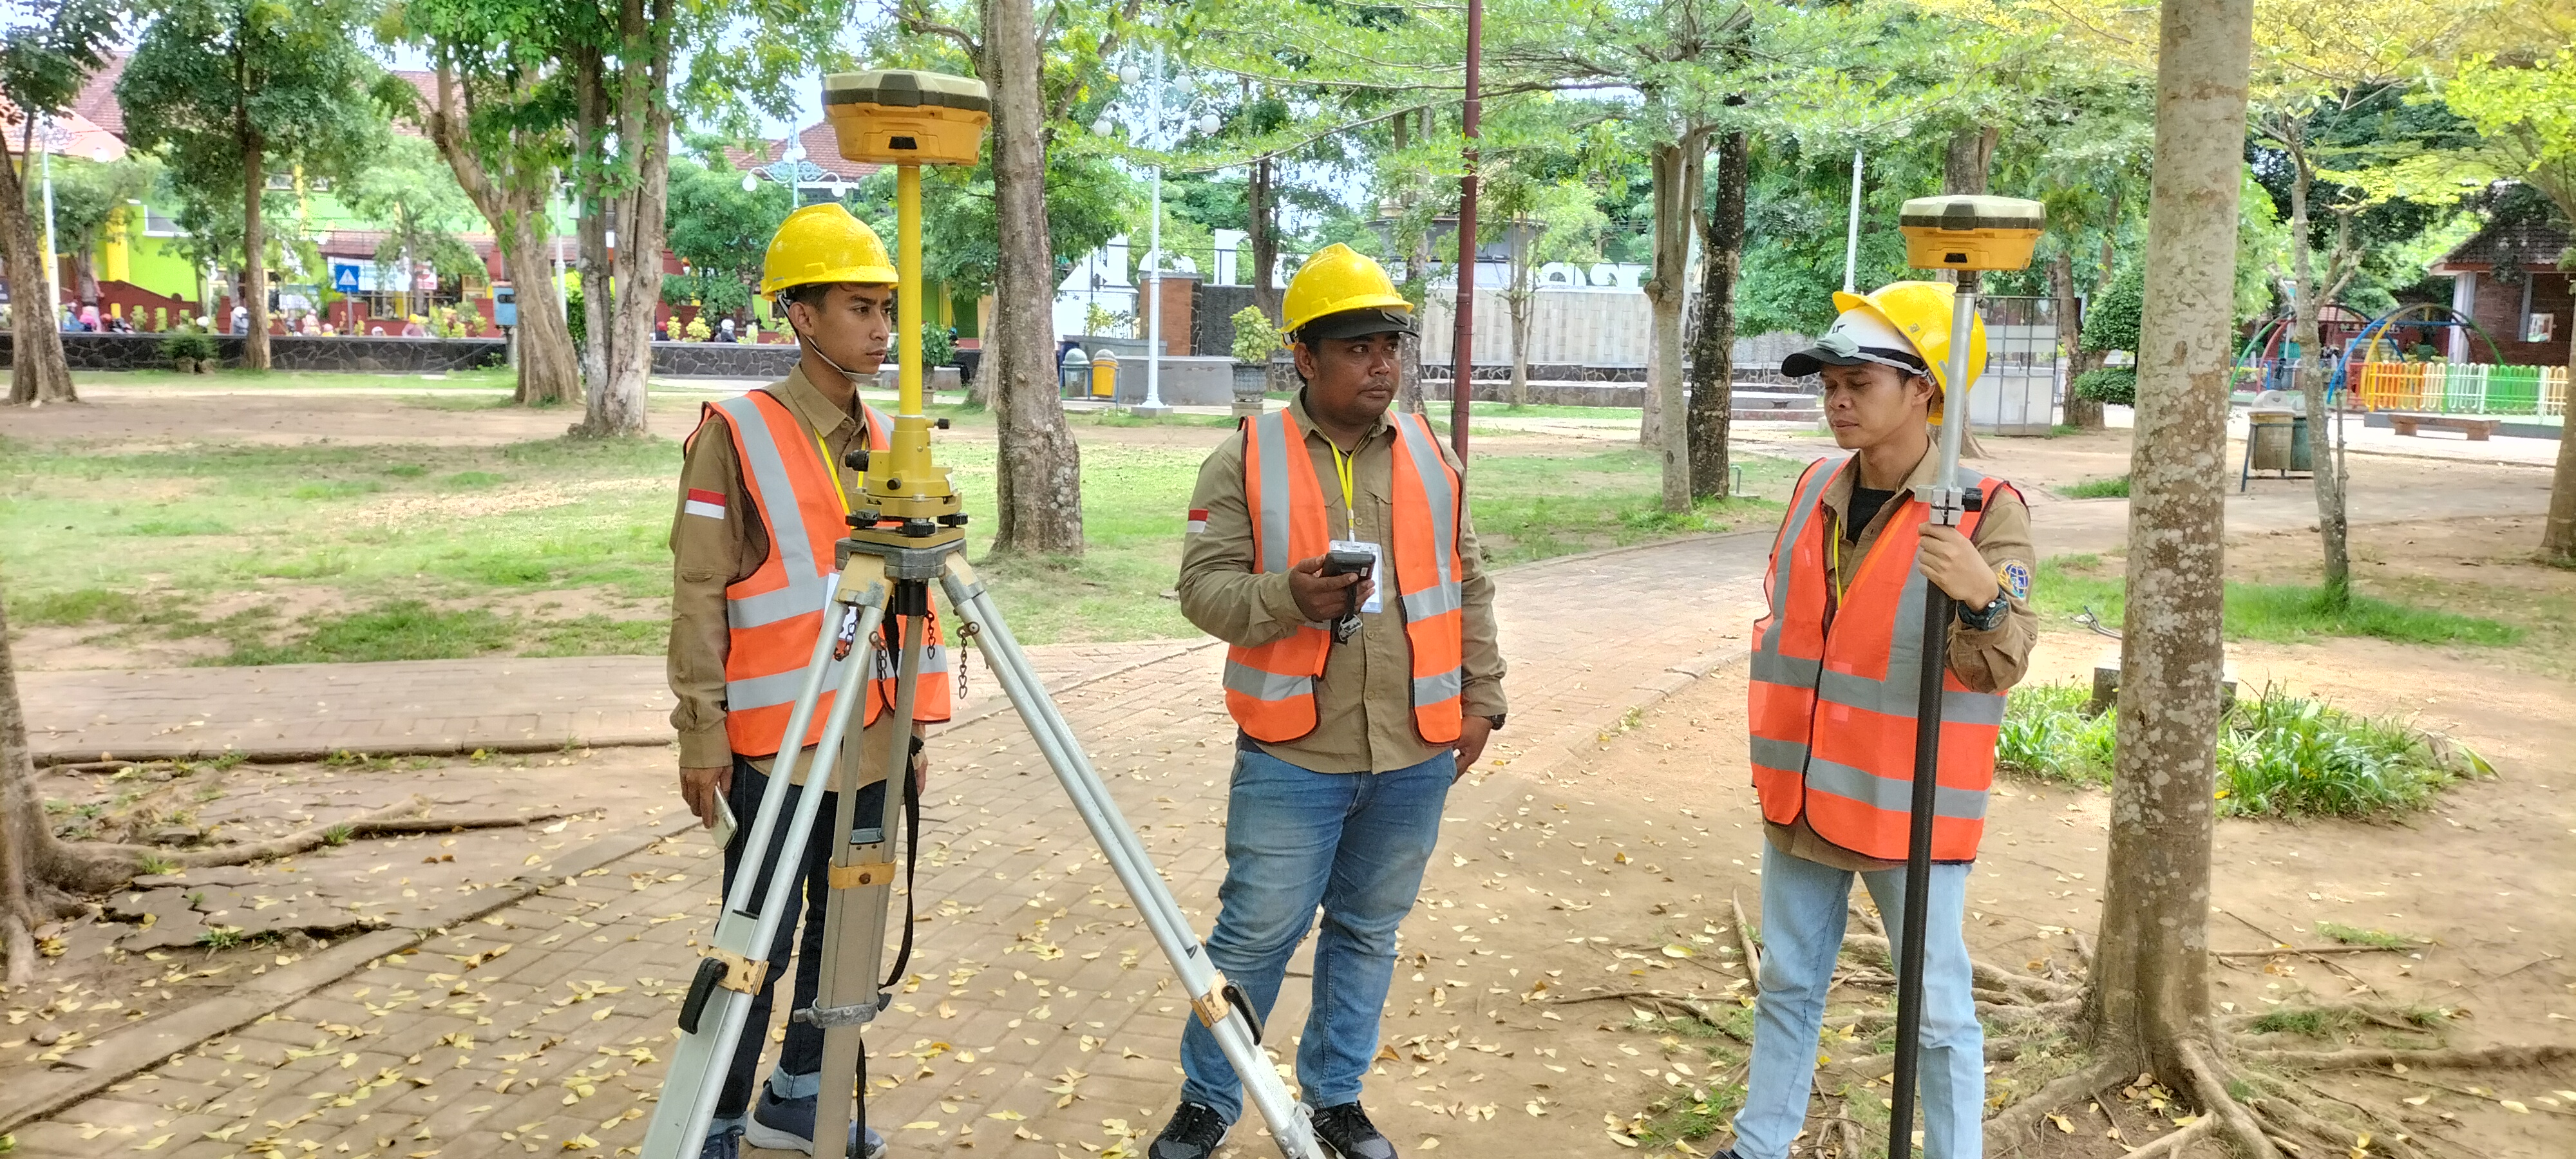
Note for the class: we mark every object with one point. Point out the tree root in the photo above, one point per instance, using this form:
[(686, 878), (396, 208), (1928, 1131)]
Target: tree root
[(2209, 1087), (2372, 1058), (1986, 975), (2012, 1125), (1744, 942), (2173, 1144), (100, 867), (2016, 1016)]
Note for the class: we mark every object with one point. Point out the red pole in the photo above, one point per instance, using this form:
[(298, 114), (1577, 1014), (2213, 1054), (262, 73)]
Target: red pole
[(1462, 343)]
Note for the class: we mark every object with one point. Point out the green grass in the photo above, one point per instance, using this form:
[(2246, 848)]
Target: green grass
[(239, 379), (2356, 936), (2278, 755), (2275, 613), (2112, 488), (423, 551)]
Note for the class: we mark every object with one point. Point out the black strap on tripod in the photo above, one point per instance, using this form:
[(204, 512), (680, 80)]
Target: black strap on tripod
[(911, 860)]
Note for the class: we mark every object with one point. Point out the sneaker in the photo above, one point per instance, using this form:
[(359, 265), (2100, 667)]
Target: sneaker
[(788, 1125), (1346, 1129), (725, 1144), (1195, 1132)]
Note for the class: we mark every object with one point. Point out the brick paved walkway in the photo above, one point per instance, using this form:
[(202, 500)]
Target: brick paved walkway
[(424, 706)]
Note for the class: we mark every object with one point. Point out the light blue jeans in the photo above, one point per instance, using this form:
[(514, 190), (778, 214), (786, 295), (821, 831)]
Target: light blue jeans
[(1354, 843), (1802, 931)]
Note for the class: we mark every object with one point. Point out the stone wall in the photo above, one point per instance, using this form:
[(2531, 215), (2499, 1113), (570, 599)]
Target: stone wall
[(766, 361), (288, 352)]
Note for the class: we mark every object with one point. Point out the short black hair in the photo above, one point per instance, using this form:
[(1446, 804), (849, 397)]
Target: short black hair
[(810, 293)]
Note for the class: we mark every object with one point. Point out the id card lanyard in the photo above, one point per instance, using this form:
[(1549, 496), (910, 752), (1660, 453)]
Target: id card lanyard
[(1343, 470)]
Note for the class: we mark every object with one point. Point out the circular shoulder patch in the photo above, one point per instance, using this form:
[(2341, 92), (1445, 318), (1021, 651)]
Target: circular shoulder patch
[(2014, 575)]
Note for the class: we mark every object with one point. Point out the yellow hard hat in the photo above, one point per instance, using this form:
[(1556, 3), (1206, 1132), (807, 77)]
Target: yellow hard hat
[(823, 243), (1921, 312), (1334, 280)]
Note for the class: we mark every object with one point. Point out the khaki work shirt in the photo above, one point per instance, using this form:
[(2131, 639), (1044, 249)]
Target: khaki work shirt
[(1364, 702), (710, 554), (1989, 661)]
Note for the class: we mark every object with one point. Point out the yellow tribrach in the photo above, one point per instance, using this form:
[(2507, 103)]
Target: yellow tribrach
[(1970, 232), (903, 117)]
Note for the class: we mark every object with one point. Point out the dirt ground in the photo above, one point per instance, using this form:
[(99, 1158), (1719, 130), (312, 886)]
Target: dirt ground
[(2483, 877)]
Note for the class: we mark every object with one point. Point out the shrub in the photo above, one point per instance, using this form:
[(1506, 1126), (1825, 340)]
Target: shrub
[(2111, 322), (2117, 385), (1254, 336), (937, 348), (191, 346), (2278, 755)]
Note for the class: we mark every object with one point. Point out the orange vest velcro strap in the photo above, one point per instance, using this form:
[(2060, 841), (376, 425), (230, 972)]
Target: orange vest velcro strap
[(1832, 709)]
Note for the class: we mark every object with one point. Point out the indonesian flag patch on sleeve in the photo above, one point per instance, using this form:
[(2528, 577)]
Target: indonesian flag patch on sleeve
[(1198, 520), (708, 503)]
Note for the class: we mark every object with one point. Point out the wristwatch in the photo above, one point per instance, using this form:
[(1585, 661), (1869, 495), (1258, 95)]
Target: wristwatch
[(1986, 618), (1496, 720)]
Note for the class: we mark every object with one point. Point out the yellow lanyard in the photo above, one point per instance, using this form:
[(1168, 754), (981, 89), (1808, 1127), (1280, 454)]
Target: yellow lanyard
[(1342, 470), (1834, 556), (834, 470)]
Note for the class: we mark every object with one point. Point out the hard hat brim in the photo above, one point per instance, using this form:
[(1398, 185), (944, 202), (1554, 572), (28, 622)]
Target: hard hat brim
[(856, 275), (1360, 323)]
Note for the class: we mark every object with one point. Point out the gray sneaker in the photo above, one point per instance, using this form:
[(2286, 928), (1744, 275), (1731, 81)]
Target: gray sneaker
[(1195, 1132)]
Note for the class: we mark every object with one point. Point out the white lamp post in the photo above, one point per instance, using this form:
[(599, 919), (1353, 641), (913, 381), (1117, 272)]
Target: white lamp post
[(52, 136), (1157, 136)]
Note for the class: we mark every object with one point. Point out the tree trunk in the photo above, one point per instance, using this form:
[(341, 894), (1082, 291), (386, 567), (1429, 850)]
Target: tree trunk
[(1417, 272), (1969, 158), (514, 203), (590, 228), (1712, 399), (38, 372), (2147, 1004), (616, 410), (2558, 536), (1038, 479), (84, 277), (1676, 176), (2331, 528), (254, 251), (2083, 413), (1263, 236), (1516, 305)]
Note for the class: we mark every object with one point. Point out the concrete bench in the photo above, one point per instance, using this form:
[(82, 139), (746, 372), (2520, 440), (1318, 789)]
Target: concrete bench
[(2478, 429)]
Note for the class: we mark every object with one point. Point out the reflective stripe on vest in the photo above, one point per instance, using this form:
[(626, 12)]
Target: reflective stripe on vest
[(773, 615), (1832, 706), (1270, 689)]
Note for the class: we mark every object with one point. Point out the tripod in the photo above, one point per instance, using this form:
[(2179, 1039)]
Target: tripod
[(888, 583)]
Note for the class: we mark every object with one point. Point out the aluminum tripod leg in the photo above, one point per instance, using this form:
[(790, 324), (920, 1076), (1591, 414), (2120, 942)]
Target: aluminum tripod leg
[(1211, 998), (862, 883), (730, 975)]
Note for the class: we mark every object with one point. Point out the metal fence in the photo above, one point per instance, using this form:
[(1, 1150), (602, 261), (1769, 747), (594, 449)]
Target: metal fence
[(2460, 388)]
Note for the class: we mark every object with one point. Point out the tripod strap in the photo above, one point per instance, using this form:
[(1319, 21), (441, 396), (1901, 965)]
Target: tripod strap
[(911, 860)]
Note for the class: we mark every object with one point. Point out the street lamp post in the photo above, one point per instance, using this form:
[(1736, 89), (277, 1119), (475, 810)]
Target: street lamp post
[(52, 136), (1157, 135)]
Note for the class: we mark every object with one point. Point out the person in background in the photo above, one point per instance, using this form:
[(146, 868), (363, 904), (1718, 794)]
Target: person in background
[(241, 319), (413, 329), (724, 330)]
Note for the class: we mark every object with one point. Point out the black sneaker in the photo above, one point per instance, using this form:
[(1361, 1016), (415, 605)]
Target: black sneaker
[(1347, 1130), (1195, 1132)]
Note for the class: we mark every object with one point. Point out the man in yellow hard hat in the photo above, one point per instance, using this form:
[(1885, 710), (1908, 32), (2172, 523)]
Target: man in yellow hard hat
[(763, 492), (1835, 677), (1329, 545)]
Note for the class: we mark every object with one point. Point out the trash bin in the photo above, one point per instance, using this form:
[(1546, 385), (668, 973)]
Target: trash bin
[(1104, 374), (1073, 373), (2300, 459), (2271, 438)]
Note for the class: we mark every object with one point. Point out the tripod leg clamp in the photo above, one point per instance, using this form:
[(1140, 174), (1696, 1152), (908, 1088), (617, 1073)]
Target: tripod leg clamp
[(865, 873), (719, 968), (1223, 998)]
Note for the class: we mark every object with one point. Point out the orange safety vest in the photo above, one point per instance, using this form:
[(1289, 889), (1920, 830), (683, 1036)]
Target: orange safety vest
[(1834, 695), (773, 616), (1271, 689)]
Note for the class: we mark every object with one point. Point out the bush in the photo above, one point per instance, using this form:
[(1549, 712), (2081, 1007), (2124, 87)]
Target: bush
[(2111, 322), (2109, 384), (191, 346), (2278, 755), (1254, 336), (937, 348)]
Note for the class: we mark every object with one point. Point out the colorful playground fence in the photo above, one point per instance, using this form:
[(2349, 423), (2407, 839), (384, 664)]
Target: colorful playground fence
[(2459, 388)]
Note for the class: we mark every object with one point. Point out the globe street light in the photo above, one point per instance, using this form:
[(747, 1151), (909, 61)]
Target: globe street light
[(1155, 134)]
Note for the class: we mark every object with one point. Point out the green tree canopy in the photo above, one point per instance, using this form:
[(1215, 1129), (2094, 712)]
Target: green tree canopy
[(720, 232), (410, 194)]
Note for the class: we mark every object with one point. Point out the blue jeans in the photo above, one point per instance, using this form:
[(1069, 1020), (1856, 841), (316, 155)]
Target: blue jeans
[(1354, 843), (1802, 930)]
